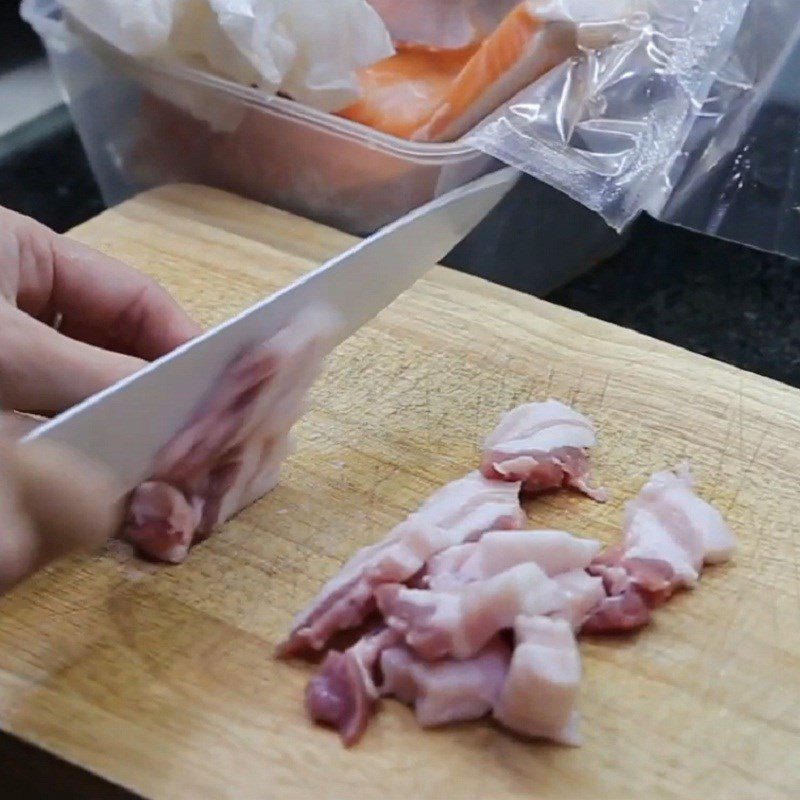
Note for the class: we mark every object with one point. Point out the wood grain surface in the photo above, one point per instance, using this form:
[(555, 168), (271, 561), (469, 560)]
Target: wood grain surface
[(162, 679)]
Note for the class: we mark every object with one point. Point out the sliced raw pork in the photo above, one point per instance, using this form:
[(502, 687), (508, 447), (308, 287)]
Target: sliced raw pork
[(540, 694), (456, 580), (460, 622), (496, 551), (230, 453), (544, 445), (562, 556), (669, 534), (668, 521), (457, 513), (583, 593), (343, 692), (449, 690)]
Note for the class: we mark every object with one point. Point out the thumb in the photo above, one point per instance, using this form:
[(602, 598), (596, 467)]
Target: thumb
[(44, 371), (52, 502), (73, 503)]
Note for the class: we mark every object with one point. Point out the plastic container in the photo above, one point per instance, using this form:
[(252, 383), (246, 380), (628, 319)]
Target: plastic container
[(144, 125)]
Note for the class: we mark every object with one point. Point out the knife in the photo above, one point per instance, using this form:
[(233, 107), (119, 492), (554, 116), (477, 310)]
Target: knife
[(126, 425)]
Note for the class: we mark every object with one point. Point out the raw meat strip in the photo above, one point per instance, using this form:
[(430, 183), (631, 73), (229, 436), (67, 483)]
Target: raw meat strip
[(231, 451), (633, 588), (496, 551), (652, 576), (343, 692), (668, 522), (458, 512), (544, 445), (446, 691), (584, 594), (669, 534), (562, 556), (626, 611), (540, 694), (460, 622), (442, 570), (472, 505)]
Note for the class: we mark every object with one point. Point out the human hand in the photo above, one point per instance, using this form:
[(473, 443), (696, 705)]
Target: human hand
[(111, 319), (53, 502)]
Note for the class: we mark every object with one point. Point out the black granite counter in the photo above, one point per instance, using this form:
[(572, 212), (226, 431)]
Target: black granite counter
[(716, 298)]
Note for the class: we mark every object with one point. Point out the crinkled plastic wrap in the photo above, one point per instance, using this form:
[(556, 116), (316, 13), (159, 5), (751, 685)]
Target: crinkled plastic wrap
[(738, 175), (608, 127)]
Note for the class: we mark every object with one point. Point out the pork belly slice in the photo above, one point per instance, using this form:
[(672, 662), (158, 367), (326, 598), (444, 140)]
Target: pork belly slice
[(669, 533), (583, 593), (560, 555), (446, 691), (459, 622), (230, 452), (544, 445), (342, 694), (539, 696), (668, 522), (456, 513), (627, 611), (632, 588), (496, 551)]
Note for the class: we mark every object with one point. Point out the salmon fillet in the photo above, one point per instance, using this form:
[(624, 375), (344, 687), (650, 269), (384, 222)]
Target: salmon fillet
[(401, 93), (436, 94)]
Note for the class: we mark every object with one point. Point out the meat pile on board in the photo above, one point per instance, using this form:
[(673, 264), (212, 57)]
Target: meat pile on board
[(471, 615), (461, 611)]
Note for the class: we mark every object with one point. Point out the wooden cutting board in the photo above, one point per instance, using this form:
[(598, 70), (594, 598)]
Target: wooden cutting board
[(162, 679)]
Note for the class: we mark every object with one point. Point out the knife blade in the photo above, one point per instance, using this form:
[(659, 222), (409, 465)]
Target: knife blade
[(126, 425)]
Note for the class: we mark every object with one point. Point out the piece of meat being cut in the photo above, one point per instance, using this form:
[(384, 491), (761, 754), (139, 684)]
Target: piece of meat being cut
[(460, 622), (457, 513), (230, 453), (449, 690), (669, 534), (496, 551), (343, 692), (544, 445), (540, 694)]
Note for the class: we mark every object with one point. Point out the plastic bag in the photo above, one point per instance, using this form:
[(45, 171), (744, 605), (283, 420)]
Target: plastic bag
[(738, 175), (309, 49), (608, 126)]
